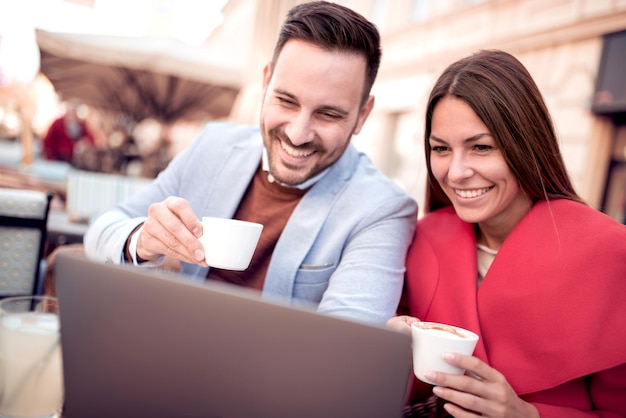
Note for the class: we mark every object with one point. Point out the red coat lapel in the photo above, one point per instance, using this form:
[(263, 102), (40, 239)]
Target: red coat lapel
[(551, 308)]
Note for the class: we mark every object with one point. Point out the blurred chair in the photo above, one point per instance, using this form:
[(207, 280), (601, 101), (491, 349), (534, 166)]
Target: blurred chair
[(23, 229), (90, 193)]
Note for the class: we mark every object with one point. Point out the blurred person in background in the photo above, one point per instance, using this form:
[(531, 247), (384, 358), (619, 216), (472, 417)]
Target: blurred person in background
[(508, 250), (67, 136)]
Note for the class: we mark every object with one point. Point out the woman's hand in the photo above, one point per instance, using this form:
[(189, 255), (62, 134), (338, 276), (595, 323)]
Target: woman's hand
[(401, 323), (482, 391)]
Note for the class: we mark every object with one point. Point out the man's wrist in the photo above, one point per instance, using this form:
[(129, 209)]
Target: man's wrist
[(131, 247), (130, 251)]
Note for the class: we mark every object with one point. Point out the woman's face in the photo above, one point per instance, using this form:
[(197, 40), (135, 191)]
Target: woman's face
[(471, 170)]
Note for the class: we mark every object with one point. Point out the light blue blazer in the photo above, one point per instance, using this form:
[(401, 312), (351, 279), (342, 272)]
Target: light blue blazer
[(343, 249)]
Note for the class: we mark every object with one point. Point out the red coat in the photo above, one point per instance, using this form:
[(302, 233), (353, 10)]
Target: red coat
[(551, 311)]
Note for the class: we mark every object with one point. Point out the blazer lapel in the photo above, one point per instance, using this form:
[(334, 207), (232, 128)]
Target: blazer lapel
[(305, 223), (222, 197), (233, 178)]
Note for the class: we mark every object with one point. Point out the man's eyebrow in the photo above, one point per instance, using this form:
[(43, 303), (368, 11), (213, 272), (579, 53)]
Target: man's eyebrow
[(285, 93), (339, 110)]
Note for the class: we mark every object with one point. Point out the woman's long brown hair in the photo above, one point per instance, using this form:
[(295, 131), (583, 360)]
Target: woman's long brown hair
[(505, 97)]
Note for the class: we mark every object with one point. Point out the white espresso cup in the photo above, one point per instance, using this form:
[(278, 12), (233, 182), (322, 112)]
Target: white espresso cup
[(229, 243), (432, 340)]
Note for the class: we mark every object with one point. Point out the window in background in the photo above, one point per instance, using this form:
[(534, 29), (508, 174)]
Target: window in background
[(380, 14), (421, 10), (614, 203)]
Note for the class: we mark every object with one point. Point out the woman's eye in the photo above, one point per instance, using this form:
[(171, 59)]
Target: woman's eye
[(438, 148), (483, 148)]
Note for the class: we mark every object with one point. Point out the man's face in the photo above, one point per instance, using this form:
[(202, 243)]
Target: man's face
[(311, 108)]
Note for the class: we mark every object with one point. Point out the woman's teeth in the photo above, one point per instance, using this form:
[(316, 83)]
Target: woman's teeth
[(471, 193)]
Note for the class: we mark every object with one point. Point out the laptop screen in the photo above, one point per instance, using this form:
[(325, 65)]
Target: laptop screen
[(139, 343)]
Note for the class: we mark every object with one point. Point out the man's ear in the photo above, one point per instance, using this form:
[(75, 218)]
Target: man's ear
[(365, 111), (267, 75)]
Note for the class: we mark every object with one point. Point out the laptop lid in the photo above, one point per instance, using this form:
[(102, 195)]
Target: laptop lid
[(140, 343)]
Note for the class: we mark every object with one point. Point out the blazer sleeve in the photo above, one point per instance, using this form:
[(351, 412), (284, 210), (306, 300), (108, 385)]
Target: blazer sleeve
[(370, 274), (106, 237), (207, 157)]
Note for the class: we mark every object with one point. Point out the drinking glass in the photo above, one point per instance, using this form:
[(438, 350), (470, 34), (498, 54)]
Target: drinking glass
[(31, 375)]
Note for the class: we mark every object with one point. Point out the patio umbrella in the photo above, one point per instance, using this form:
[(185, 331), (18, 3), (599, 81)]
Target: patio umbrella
[(139, 77)]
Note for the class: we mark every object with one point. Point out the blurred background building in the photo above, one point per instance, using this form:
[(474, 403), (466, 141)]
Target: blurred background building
[(575, 50), (560, 41)]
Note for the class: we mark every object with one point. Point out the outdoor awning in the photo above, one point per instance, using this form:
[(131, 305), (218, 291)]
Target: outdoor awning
[(140, 77)]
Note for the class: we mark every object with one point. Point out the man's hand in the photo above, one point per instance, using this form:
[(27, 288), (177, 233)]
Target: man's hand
[(172, 229), (402, 323)]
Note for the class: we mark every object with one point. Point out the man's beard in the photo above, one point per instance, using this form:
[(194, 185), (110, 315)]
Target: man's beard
[(296, 174)]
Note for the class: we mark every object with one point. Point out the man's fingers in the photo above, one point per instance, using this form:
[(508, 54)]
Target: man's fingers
[(183, 211), (167, 232)]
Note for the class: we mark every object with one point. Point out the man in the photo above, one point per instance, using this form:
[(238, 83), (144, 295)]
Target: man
[(335, 231)]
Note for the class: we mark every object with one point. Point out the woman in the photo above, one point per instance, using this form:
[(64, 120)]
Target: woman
[(510, 251)]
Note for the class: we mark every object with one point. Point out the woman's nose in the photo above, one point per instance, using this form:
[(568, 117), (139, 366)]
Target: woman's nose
[(459, 168)]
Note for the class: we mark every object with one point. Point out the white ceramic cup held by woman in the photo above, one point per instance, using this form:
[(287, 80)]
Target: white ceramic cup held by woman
[(432, 340)]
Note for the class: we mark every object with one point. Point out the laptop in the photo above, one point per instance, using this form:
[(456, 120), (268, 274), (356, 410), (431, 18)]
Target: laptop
[(142, 343)]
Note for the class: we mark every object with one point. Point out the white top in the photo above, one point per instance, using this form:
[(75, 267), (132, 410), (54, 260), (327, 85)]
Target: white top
[(485, 257)]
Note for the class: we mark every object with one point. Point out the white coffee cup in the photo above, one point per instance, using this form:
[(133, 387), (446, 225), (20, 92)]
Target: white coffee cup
[(229, 243), (432, 340)]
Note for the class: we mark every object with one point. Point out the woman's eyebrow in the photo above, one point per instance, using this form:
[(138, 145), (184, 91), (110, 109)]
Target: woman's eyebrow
[(473, 138)]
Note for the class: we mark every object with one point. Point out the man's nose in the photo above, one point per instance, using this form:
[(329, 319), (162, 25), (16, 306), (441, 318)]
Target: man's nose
[(300, 129)]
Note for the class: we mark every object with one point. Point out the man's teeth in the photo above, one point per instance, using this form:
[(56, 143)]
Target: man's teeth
[(294, 152), (471, 193)]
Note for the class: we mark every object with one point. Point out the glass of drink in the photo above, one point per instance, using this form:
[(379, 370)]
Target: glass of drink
[(31, 375)]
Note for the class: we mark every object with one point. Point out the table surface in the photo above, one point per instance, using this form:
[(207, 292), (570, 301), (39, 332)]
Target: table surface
[(62, 230)]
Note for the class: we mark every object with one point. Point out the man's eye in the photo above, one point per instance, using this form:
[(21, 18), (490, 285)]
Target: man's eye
[(332, 116), (286, 101)]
